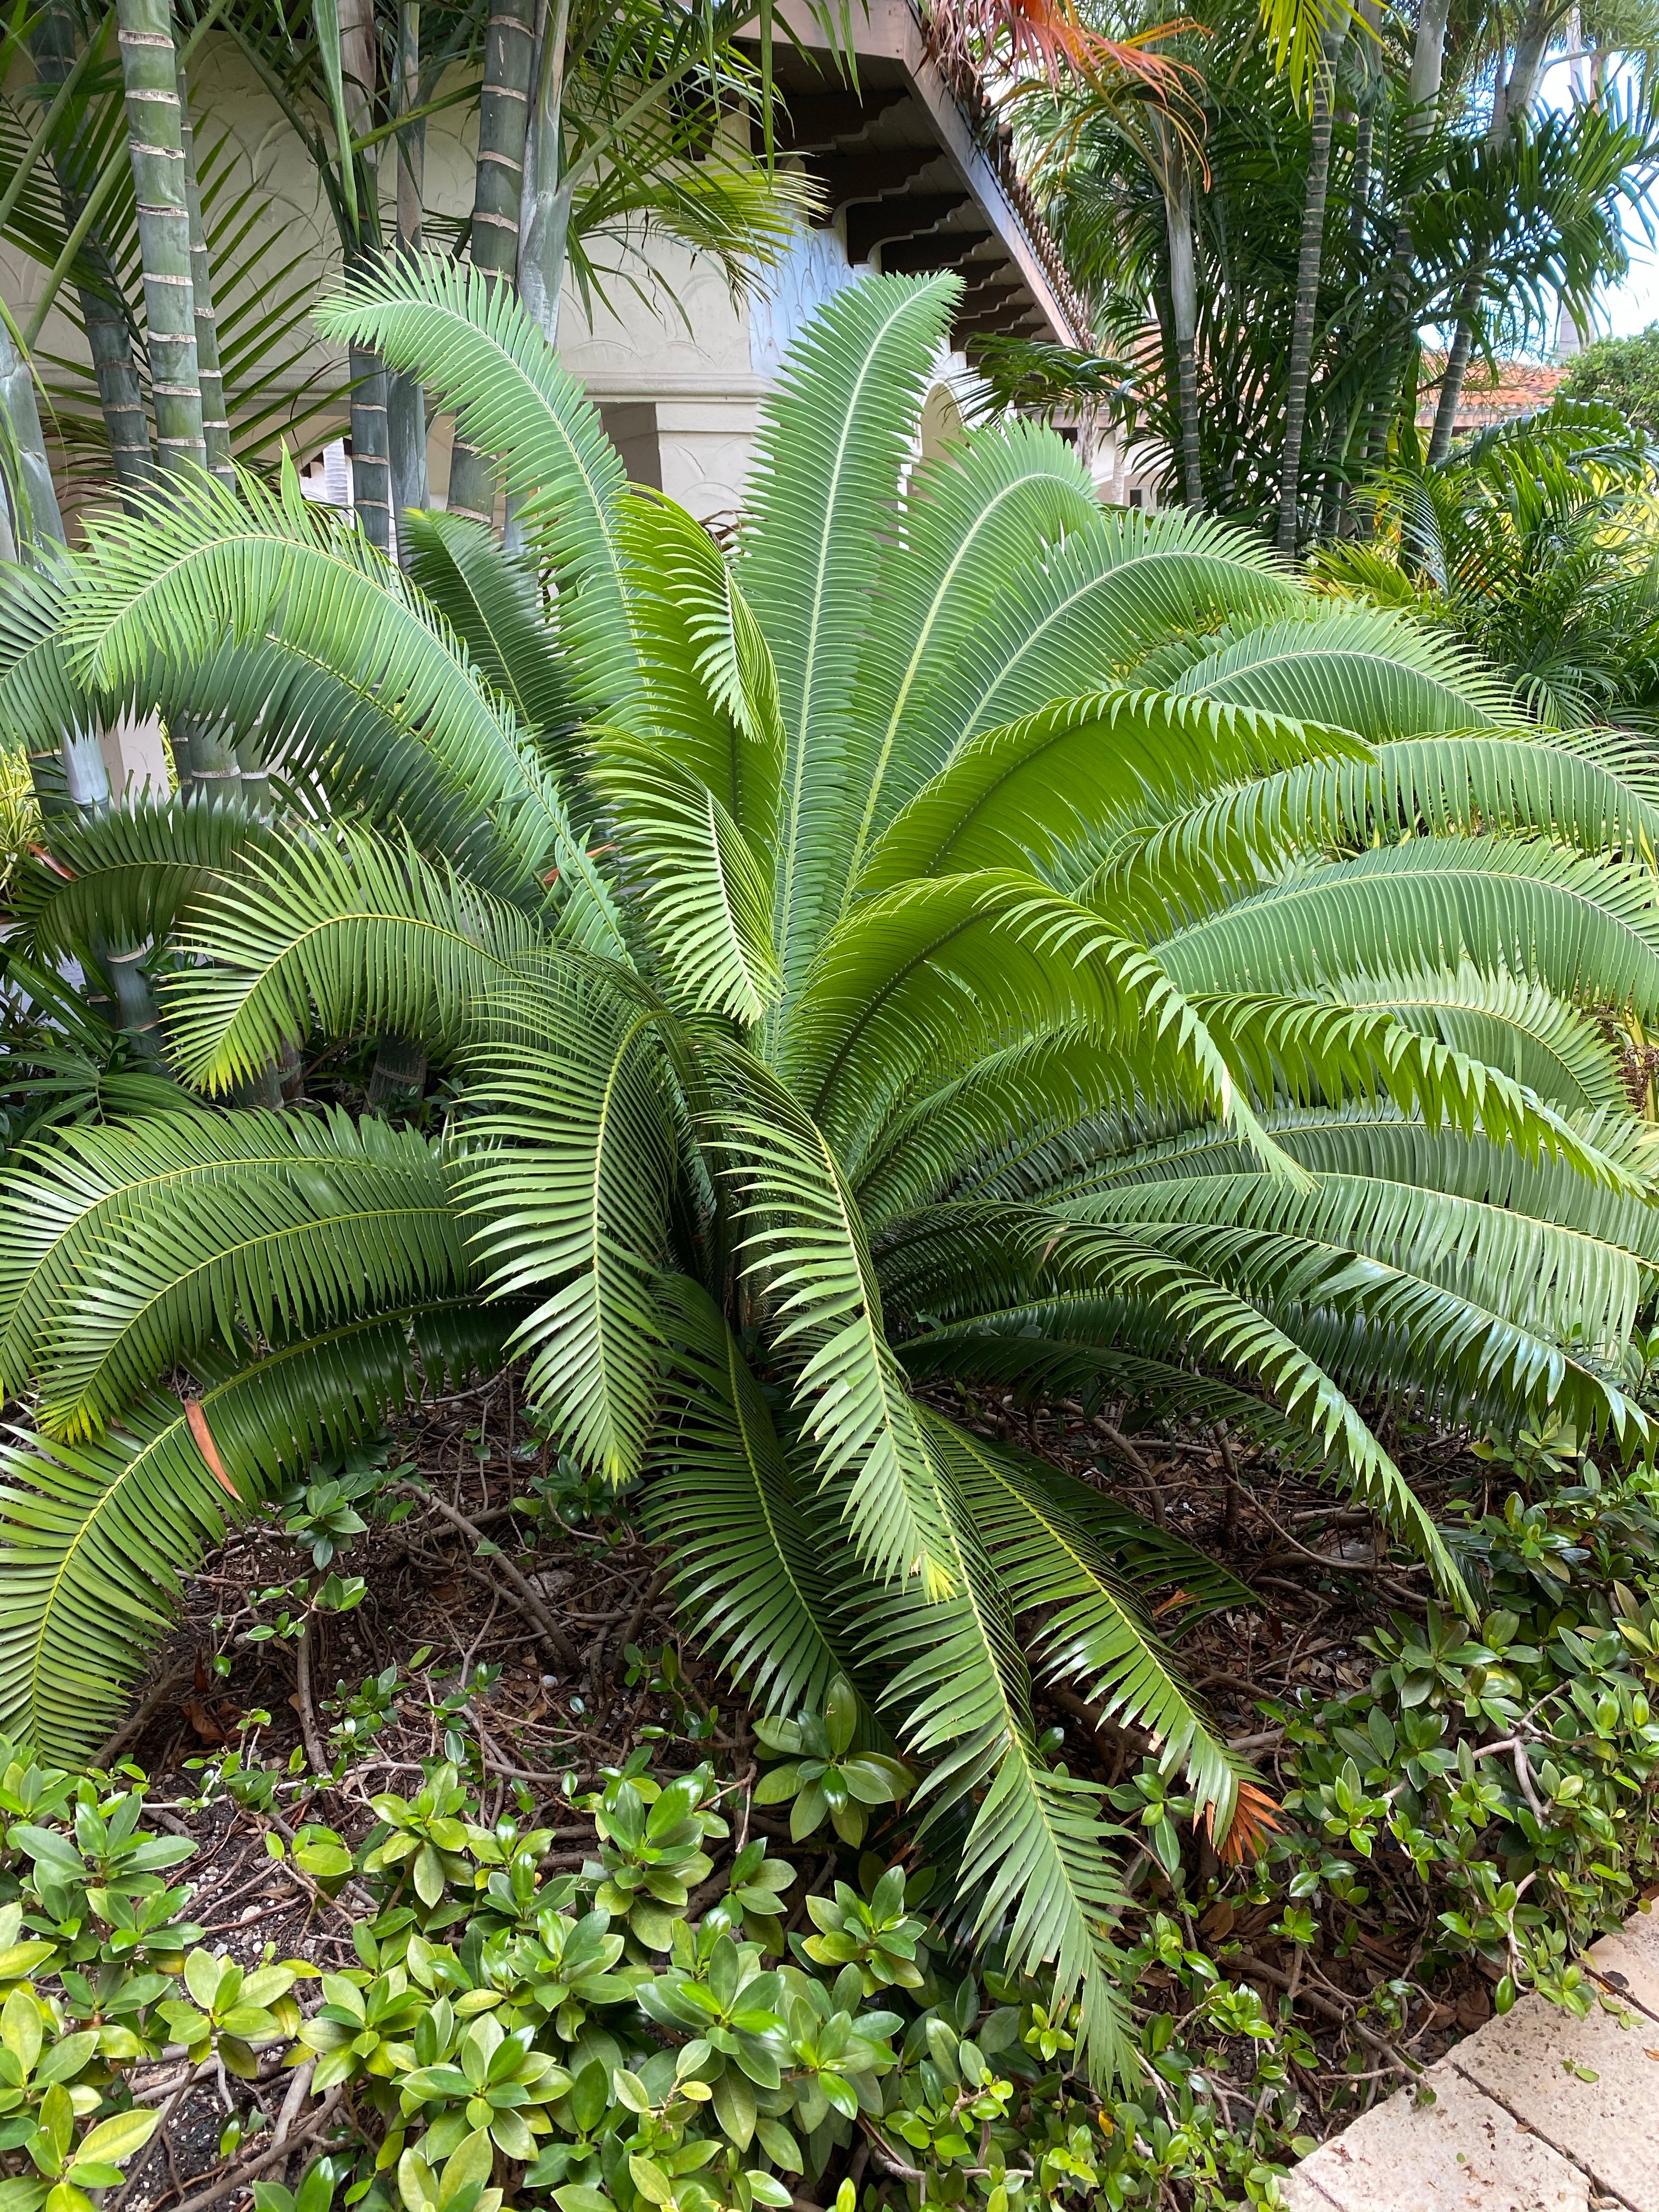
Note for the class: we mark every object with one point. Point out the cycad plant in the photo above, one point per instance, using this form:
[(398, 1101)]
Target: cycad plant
[(959, 934)]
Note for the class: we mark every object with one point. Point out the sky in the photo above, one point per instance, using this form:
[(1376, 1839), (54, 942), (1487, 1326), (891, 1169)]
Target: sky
[(1635, 303)]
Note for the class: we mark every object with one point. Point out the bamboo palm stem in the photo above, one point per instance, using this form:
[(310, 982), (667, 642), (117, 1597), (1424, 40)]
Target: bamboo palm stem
[(215, 426), (503, 120), (156, 144), (1305, 314)]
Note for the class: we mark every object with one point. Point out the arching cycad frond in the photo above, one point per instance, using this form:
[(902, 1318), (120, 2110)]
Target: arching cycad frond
[(747, 1546), (96, 1539), (493, 603), (711, 902), (998, 499), (129, 874), (1370, 670), (127, 1251), (1587, 929), (337, 934), (571, 1155), (471, 343), (1038, 1863), (833, 436)]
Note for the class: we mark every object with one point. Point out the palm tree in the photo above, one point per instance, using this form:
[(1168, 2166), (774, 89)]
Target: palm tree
[(962, 935)]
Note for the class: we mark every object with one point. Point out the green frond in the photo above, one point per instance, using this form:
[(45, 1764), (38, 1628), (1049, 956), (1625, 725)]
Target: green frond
[(1587, 929), (1037, 1867), (802, 1245), (128, 874), (750, 1568), (1071, 619), (998, 499), (343, 935), (1370, 670), (493, 602), (205, 565), (129, 1250), (570, 1157), (945, 967), (987, 1271), (476, 350), (709, 900), (1088, 1629), (41, 695), (835, 432), (96, 1539), (708, 689), (1022, 795)]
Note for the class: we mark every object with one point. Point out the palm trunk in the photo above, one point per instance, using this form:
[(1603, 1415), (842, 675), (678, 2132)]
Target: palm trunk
[(503, 120), (75, 776), (109, 339), (1307, 290), (1422, 96), (371, 473), (1512, 97), (215, 426), (544, 206), (405, 399), (1183, 313), (156, 142)]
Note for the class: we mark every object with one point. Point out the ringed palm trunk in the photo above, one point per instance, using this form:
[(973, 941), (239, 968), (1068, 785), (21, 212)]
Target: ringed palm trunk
[(1307, 290), (544, 210), (503, 120), (405, 399), (79, 762), (156, 142), (215, 425), (1183, 310), (1512, 97), (1423, 95), (371, 472), (109, 338)]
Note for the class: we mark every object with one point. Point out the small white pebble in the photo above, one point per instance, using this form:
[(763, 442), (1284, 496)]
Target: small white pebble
[(549, 1680), (251, 1911)]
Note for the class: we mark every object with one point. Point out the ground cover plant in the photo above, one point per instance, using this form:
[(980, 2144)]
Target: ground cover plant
[(356, 1857), (961, 939)]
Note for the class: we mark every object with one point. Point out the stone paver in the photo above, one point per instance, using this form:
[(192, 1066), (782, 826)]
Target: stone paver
[(1610, 2124), (1536, 2112), (1461, 2153), (1629, 1961)]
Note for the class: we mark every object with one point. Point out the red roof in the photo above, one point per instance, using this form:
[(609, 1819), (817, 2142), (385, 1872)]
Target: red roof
[(1489, 396)]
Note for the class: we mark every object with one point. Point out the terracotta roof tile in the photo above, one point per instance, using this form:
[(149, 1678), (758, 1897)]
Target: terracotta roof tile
[(1515, 387)]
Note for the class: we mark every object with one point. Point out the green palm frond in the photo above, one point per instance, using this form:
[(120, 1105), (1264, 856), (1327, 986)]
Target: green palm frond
[(1036, 1864), (475, 348), (96, 1539), (747, 1547), (710, 689), (128, 874), (1087, 614), (833, 436), (1088, 1629), (999, 497), (492, 601), (802, 1245), (711, 903), (338, 935), (570, 1157), (1587, 929), (1022, 795), (1370, 670), (207, 565), (987, 1271), (129, 1250)]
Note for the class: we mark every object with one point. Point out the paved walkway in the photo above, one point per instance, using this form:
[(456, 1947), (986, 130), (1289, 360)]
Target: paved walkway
[(1534, 2112)]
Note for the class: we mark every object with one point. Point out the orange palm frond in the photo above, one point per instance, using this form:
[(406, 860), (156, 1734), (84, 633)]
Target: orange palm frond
[(1255, 1817)]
